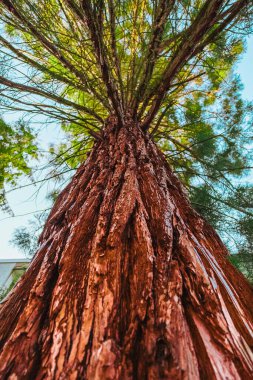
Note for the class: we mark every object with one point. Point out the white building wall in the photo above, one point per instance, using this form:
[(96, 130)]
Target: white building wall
[(5, 274), (6, 269)]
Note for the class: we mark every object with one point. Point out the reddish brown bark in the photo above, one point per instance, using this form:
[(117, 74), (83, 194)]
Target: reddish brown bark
[(129, 282)]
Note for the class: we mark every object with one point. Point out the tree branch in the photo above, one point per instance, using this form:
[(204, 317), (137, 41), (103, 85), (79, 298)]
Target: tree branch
[(59, 99), (163, 10)]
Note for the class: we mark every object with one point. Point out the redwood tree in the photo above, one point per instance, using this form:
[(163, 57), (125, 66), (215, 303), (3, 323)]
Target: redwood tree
[(129, 281)]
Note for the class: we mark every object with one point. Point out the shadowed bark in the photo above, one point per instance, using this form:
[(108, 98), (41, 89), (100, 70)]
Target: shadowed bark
[(129, 282)]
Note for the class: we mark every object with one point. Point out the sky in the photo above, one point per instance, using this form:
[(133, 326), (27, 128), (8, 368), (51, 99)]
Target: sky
[(26, 201)]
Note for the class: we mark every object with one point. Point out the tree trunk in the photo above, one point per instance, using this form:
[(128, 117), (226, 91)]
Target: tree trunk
[(129, 282)]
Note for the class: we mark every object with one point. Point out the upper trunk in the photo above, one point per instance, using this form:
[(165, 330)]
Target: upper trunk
[(129, 282)]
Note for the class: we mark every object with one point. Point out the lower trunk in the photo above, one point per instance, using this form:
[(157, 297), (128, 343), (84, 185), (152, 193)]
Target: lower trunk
[(129, 282)]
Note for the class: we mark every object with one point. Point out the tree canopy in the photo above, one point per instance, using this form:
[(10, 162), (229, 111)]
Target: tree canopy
[(168, 62), (89, 59)]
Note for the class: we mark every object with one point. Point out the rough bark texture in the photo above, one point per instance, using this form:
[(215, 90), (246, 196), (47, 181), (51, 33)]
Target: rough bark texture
[(129, 282)]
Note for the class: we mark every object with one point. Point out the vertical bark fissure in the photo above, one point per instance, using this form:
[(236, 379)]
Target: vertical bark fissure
[(43, 321)]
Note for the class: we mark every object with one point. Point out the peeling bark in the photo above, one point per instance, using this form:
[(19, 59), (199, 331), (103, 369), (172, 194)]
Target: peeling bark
[(129, 281)]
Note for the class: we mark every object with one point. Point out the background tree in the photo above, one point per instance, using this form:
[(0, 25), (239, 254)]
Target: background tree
[(125, 265), (17, 146)]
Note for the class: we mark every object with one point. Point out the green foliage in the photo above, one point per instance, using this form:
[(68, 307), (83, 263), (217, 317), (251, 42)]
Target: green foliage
[(244, 263), (89, 59), (17, 147), (26, 239)]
